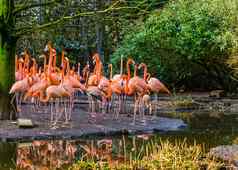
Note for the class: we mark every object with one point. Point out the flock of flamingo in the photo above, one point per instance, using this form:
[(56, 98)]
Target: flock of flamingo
[(58, 86)]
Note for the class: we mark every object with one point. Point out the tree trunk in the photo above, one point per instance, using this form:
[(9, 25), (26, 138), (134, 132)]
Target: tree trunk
[(7, 76), (7, 61)]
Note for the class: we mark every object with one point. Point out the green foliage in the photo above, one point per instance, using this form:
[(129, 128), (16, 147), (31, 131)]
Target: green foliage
[(3, 8), (81, 165), (185, 40)]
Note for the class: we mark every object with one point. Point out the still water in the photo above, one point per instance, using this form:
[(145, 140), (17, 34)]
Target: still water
[(207, 129)]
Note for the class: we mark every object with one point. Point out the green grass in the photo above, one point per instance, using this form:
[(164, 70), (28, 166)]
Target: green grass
[(159, 155)]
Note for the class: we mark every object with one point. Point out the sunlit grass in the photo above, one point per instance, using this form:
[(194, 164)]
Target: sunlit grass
[(157, 155), (182, 101)]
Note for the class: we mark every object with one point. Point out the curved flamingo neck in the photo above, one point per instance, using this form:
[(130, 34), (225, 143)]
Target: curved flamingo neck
[(145, 72), (45, 62), (85, 70), (62, 75), (34, 67), (121, 69), (26, 62), (50, 60), (87, 78), (62, 58), (20, 67), (54, 60), (110, 67), (128, 75), (135, 70), (16, 64), (98, 69), (148, 77), (79, 69), (68, 68), (128, 71)]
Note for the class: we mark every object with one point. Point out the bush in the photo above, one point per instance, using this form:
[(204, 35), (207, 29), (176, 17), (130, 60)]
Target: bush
[(186, 43)]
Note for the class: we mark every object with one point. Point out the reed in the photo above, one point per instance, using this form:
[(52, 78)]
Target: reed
[(157, 155)]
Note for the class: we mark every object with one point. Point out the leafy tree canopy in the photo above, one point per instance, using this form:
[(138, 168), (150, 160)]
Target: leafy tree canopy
[(185, 42)]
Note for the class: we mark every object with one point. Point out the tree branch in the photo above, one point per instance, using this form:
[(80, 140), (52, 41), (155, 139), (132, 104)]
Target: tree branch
[(30, 29), (25, 7)]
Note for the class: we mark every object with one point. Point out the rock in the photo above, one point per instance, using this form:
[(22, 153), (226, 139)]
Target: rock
[(217, 93), (25, 123), (226, 153)]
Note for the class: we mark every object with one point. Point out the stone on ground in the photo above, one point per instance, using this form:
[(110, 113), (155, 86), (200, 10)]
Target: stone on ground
[(25, 123)]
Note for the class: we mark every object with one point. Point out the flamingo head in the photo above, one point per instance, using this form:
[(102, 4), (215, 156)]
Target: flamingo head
[(33, 60), (142, 65), (148, 76), (130, 61), (96, 58)]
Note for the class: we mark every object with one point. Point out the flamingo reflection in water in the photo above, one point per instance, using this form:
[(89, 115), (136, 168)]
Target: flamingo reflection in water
[(45, 155)]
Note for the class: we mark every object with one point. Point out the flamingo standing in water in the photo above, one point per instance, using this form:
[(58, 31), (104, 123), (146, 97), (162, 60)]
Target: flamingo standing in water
[(154, 84), (94, 94), (94, 83), (135, 86), (19, 88), (117, 86), (72, 85), (56, 92)]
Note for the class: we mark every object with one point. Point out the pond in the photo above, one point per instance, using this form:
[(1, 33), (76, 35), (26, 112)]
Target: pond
[(208, 129)]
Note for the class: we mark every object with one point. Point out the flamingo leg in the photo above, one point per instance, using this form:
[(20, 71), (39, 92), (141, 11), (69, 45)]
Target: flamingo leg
[(90, 104), (142, 109), (113, 105), (135, 110), (70, 108), (119, 107), (66, 105), (71, 98), (17, 101), (144, 106), (51, 113), (155, 107)]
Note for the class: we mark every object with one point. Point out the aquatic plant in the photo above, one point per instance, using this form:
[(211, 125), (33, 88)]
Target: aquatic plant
[(158, 155)]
